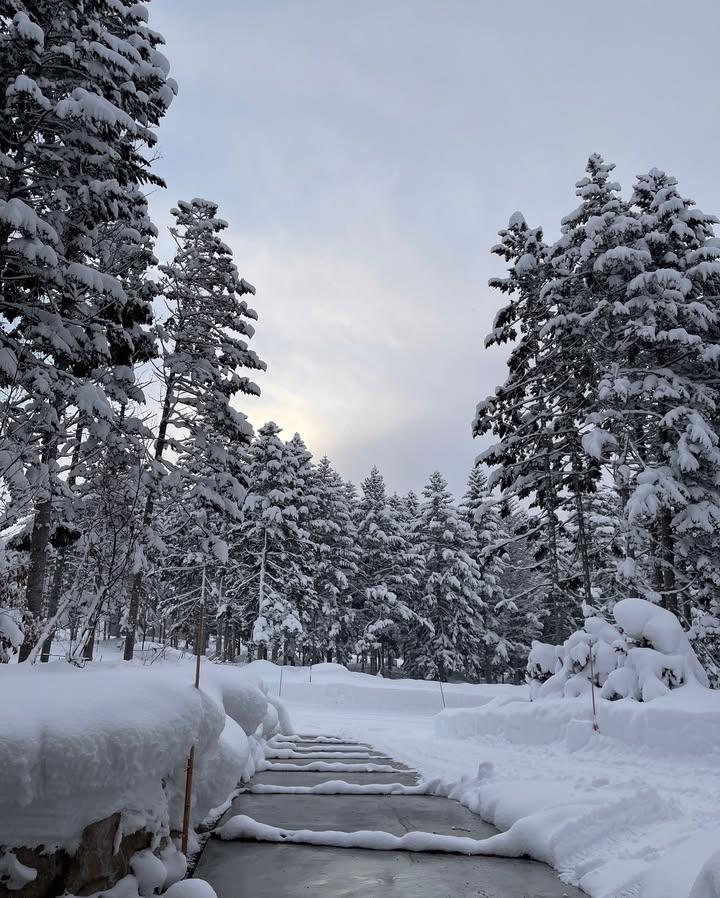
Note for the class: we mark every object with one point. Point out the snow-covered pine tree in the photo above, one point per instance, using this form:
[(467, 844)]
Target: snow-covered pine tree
[(117, 449), (389, 571), (412, 505), (522, 612), (530, 456), (336, 564), (301, 595), (448, 636), (481, 511), (272, 542), (205, 342), (89, 77), (660, 394), (572, 302)]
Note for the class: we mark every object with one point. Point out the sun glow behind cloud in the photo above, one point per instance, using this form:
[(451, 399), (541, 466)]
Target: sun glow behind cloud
[(352, 360)]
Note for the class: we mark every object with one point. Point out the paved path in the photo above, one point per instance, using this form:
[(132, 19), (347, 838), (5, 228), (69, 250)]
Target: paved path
[(271, 870)]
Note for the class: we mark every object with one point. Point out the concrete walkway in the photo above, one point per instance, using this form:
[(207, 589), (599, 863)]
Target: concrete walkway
[(271, 870)]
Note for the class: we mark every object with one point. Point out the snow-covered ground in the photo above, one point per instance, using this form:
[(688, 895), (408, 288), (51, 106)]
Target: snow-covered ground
[(80, 745), (630, 812)]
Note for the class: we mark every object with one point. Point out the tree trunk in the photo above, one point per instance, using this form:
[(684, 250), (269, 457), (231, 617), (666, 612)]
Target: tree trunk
[(667, 573), (36, 575), (629, 548), (555, 592), (89, 646), (138, 579), (60, 561), (53, 601), (261, 583), (114, 624), (583, 543)]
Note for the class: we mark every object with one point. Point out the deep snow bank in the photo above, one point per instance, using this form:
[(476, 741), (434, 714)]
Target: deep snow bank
[(684, 722), (335, 685), (610, 811), (78, 745)]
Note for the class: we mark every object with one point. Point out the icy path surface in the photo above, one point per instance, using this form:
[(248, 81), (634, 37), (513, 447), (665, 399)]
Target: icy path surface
[(629, 822), (284, 838)]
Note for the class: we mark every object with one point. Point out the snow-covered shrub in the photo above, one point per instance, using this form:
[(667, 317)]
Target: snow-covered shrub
[(11, 636), (704, 634), (242, 696), (542, 663), (643, 657)]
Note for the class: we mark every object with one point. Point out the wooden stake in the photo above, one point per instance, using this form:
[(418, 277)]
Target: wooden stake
[(595, 726), (186, 810), (191, 759)]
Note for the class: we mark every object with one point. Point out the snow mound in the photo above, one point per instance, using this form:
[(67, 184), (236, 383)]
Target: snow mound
[(78, 745), (333, 685), (683, 723), (191, 888)]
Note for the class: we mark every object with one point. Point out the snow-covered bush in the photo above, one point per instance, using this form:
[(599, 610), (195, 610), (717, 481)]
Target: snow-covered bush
[(11, 636), (645, 655)]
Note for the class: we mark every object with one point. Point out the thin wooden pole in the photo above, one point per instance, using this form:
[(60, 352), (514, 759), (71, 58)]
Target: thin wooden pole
[(186, 810), (442, 692), (198, 656), (191, 758), (282, 668), (595, 726)]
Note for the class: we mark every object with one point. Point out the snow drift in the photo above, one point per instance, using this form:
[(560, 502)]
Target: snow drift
[(78, 745)]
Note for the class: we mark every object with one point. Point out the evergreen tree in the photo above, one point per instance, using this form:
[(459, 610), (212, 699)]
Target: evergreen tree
[(528, 417), (336, 562), (205, 351), (388, 573), (273, 541), (482, 514), (73, 78), (448, 636), (302, 594)]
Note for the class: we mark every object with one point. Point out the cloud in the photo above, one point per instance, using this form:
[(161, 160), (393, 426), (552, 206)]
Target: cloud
[(366, 154), (357, 363)]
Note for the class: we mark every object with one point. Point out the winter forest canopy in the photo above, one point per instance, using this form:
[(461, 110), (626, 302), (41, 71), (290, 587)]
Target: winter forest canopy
[(134, 487)]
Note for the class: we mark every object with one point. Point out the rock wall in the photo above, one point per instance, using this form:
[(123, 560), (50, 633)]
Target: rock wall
[(95, 866)]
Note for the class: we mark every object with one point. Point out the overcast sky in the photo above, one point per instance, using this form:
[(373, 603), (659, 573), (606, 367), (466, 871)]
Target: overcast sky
[(365, 153)]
